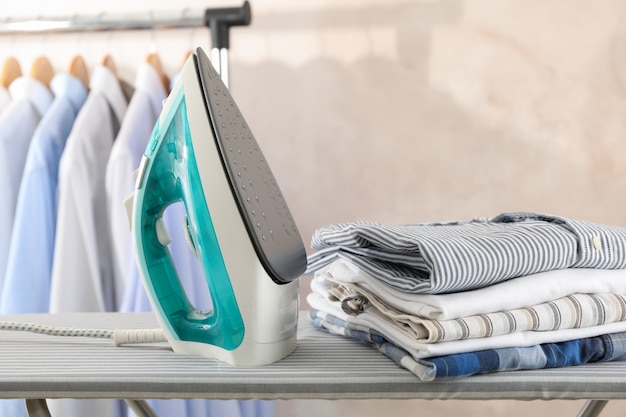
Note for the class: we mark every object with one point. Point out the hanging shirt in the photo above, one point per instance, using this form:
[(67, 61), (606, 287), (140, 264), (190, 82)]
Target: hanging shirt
[(81, 271), (27, 283), (5, 98), (30, 100), (81, 268), (143, 111)]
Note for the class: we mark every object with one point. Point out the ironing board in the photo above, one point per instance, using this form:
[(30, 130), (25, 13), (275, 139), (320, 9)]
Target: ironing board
[(37, 367)]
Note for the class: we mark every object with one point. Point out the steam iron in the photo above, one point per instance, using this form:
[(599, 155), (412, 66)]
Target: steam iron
[(203, 153)]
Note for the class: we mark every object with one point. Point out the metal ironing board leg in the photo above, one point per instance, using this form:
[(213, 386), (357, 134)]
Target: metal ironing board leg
[(37, 408), (592, 408), (141, 408)]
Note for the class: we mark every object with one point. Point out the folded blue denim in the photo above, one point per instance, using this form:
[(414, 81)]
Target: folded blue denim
[(604, 348)]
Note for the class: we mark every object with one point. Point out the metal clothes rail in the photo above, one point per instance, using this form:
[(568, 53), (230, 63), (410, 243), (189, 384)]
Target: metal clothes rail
[(219, 20)]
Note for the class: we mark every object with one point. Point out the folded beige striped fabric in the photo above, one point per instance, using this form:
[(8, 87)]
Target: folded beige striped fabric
[(570, 312)]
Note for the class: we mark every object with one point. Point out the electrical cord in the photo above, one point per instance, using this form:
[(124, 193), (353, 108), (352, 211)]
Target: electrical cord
[(119, 336)]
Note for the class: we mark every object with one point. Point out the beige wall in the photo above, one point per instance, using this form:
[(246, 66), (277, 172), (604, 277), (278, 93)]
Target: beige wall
[(408, 111)]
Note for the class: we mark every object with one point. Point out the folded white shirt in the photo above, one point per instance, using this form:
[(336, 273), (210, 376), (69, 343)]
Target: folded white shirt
[(515, 293)]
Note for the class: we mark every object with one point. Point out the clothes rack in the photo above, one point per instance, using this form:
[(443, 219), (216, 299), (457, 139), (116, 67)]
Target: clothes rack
[(218, 20)]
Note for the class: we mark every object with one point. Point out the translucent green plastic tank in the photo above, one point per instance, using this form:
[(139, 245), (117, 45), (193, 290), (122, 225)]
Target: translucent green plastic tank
[(171, 175)]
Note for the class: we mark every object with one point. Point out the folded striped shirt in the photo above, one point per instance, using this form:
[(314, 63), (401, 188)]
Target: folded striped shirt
[(570, 312), (372, 319), (434, 258), (603, 348)]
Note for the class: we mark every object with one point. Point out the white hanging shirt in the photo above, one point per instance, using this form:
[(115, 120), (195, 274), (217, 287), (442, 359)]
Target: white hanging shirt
[(143, 110), (5, 98), (30, 100), (81, 272), (81, 267)]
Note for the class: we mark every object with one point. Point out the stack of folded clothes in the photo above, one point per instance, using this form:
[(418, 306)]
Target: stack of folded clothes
[(518, 291)]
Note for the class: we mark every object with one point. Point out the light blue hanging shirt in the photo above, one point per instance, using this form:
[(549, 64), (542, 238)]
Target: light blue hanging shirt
[(29, 263), (30, 101)]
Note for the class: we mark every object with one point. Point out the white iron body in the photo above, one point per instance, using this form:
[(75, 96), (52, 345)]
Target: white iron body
[(269, 310)]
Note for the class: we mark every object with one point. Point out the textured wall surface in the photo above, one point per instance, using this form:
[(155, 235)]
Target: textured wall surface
[(403, 111)]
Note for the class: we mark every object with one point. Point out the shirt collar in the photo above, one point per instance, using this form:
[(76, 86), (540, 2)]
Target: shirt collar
[(104, 82), (149, 83), (26, 88), (69, 87)]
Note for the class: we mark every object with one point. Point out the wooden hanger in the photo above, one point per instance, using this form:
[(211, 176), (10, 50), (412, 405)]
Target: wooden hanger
[(41, 70), (154, 60), (187, 54), (11, 70), (107, 61), (78, 69)]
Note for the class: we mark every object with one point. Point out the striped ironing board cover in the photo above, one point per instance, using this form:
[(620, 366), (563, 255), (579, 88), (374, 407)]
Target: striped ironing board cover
[(323, 366)]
